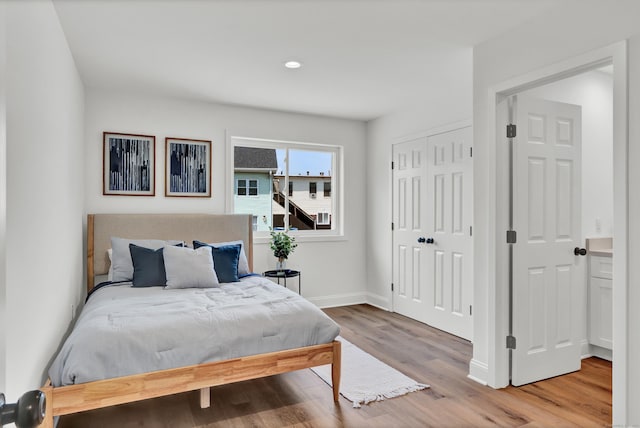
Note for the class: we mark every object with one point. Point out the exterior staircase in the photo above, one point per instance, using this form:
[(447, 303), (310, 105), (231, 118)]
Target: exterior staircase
[(298, 217)]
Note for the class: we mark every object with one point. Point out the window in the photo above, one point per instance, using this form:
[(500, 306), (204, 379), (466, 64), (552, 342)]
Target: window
[(247, 188), (271, 170), (323, 219)]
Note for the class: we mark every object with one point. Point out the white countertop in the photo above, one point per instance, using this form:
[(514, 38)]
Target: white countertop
[(602, 247), (602, 253)]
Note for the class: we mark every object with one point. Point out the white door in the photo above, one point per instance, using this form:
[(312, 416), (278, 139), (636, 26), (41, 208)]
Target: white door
[(547, 275), (432, 244), (449, 216), (409, 227)]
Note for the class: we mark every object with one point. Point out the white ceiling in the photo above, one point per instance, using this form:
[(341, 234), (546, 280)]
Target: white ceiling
[(361, 59)]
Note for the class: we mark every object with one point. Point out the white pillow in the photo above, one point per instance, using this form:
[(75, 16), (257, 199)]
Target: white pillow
[(189, 268), (243, 263), (110, 274), (121, 262)]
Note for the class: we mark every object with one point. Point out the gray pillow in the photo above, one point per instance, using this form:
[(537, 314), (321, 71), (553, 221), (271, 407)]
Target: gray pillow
[(121, 256), (188, 268), (243, 263)]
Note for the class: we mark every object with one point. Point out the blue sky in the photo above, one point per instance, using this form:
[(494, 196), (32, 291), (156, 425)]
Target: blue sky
[(301, 161)]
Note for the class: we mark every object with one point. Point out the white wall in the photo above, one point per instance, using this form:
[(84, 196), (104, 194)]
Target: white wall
[(382, 133), (3, 194), (44, 198), (331, 270), (633, 320), (594, 92), (567, 31)]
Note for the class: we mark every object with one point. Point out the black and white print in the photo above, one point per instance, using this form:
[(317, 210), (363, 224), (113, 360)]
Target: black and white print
[(129, 164), (188, 165)]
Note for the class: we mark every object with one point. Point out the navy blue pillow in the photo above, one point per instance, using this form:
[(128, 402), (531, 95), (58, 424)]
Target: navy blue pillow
[(148, 267), (225, 260)]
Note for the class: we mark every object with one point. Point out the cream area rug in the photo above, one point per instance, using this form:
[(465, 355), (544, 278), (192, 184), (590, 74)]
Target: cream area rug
[(366, 379)]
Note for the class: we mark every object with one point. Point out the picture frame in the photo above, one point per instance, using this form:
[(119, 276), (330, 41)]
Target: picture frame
[(128, 167), (187, 168)]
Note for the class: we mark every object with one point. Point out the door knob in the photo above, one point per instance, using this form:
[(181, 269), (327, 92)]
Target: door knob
[(430, 241), (580, 251), (422, 240)]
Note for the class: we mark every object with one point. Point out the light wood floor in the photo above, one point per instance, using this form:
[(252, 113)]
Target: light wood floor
[(428, 355)]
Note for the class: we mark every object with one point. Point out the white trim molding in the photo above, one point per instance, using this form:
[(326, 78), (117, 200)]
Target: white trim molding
[(478, 372), (497, 306), (380, 302), (336, 300)]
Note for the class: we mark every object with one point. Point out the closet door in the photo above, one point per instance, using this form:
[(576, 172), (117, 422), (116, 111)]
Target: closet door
[(432, 231), (410, 275)]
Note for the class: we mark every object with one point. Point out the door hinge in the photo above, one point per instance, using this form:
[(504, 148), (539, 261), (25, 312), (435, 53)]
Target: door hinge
[(392, 286), (470, 310), (470, 230), (470, 152), (392, 226), (511, 237), (511, 342), (511, 130), (392, 164)]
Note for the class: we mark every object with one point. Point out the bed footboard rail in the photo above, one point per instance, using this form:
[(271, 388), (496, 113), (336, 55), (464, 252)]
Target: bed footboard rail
[(110, 392)]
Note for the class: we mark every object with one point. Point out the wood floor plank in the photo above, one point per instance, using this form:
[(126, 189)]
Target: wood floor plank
[(302, 399)]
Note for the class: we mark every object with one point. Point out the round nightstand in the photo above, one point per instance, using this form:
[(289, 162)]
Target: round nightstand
[(284, 274)]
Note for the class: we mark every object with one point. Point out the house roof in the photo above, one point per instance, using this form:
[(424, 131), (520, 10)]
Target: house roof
[(255, 158), (303, 177)]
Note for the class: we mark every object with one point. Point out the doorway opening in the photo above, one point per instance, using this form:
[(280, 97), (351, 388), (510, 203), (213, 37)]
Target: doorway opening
[(614, 56), (562, 202), (593, 92)]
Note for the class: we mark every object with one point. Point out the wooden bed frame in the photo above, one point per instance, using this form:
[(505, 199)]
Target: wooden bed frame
[(188, 227)]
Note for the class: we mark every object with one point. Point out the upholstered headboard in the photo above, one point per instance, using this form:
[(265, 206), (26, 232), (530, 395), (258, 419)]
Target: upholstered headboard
[(186, 227)]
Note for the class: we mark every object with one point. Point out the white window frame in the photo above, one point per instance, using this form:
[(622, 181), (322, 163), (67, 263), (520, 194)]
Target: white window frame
[(247, 188), (324, 221), (337, 186)]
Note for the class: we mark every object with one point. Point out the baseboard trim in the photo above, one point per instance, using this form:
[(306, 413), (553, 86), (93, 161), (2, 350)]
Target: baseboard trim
[(378, 301), (336, 300), (585, 352), (600, 352), (478, 372)]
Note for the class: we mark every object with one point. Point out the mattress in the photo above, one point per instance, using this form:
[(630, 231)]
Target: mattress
[(126, 330)]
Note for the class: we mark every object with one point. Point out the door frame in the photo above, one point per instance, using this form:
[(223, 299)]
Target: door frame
[(498, 367), (406, 138)]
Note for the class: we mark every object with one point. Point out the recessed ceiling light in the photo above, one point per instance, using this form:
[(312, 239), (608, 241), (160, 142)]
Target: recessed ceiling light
[(293, 64)]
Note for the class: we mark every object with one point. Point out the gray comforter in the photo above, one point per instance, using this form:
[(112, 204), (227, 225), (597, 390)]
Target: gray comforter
[(124, 330)]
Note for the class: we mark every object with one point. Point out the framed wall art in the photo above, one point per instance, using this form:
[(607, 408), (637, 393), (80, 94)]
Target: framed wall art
[(129, 164), (188, 168)]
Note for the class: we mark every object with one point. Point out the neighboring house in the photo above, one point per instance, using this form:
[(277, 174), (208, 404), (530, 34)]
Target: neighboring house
[(309, 198), (253, 172), (258, 191)]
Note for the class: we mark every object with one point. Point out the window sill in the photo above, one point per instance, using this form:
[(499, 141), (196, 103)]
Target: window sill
[(303, 238)]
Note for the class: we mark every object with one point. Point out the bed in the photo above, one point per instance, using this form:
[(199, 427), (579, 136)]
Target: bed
[(72, 393)]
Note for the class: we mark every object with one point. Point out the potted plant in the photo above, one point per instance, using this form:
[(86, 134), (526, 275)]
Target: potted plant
[(282, 245)]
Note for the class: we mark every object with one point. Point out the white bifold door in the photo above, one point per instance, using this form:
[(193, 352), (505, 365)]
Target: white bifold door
[(432, 220), (547, 274)]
